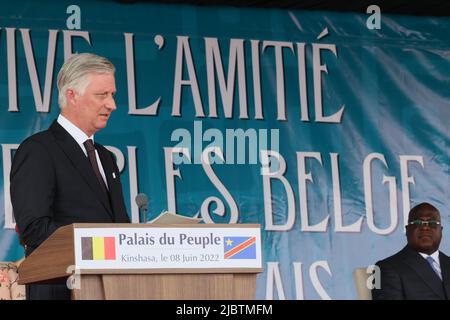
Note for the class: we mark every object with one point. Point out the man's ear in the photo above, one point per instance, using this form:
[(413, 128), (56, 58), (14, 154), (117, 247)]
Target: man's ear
[(71, 96)]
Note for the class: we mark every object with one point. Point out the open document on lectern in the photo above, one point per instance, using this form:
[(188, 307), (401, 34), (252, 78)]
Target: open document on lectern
[(167, 217)]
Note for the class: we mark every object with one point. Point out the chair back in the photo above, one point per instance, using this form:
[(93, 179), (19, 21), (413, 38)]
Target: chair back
[(360, 277)]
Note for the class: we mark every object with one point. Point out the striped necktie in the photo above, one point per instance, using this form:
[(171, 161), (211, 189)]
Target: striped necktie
[(432, 263)]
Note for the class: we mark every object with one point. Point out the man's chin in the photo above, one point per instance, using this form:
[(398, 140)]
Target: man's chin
[(426, 247), (101, 124)]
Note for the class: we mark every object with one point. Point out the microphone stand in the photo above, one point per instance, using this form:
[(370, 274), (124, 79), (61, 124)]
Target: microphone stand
[(144, 215)]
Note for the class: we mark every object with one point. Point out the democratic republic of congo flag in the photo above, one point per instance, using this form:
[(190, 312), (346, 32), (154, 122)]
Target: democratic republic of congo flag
[(98, 248), (239, 247)]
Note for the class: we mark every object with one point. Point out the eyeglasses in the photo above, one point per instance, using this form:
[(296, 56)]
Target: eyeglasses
[(421, 223)]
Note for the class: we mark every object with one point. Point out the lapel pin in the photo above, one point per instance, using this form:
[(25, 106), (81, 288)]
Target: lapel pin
[(114, 175)]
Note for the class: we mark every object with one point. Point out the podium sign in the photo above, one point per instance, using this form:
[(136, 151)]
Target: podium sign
[(150, 261), (168, 247)]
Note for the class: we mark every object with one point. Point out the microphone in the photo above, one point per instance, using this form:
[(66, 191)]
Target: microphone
[(142, 203)]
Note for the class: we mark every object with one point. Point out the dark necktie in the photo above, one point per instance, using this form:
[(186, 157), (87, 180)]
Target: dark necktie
[(89, 145)]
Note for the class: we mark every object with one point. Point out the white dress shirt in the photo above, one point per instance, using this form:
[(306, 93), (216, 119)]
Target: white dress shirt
[(80, 137), (435, 256)]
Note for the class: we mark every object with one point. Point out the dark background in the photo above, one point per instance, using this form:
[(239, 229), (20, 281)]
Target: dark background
[(418, 8)]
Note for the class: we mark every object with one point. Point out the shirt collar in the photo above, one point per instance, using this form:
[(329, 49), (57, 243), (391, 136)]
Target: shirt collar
[(76, 133), (434, 255)]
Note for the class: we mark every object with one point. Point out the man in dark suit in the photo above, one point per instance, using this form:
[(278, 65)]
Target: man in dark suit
[(419, 270), (59, 176)]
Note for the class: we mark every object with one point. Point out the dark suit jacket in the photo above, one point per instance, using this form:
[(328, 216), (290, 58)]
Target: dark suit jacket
[(53, 184), (407, 275)]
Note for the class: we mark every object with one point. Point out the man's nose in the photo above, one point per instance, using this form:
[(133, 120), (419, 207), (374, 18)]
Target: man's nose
[(111, 103)]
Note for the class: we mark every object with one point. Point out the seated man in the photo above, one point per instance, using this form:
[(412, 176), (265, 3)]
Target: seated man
[(419, 270)]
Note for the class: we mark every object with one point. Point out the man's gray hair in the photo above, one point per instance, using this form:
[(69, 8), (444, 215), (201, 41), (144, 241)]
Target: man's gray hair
[(74, 73)]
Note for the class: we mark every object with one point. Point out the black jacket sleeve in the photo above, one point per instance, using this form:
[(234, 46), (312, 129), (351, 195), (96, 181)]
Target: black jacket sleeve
[(32, 191)]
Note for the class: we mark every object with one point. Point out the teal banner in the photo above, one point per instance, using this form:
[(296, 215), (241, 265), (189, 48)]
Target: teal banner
[(325, 128)]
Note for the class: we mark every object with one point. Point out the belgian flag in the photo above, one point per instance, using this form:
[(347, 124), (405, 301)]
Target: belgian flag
[(98, 248)]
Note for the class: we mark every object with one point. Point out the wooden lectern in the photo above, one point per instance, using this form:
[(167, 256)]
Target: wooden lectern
[(54, 260)]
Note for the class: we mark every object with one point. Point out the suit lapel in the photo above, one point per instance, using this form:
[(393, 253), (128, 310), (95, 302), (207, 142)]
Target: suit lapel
[(80, 162), (107, 168), (115, 188), (415, 261)]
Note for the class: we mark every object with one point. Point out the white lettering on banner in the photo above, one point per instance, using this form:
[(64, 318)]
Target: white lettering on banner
[(42, 101), (132, 108), (220, 210), (338, 225), (214, 62), (42, 104), (68, 35), (233, 78), (256, 80), (274, 278), (279, 67), (318, 69), (171, 173), (184, 51), (236, 61), (164, 247), (367, 172), (298, 276), (12, 71), (304, 176), (302, 82), (315, 278), (269, 175), (225, 82), (406, 180)]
